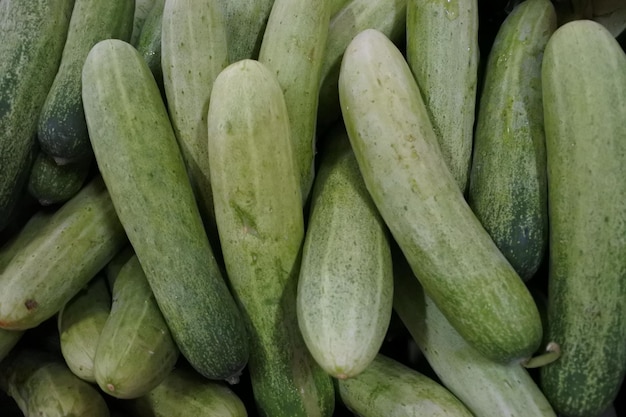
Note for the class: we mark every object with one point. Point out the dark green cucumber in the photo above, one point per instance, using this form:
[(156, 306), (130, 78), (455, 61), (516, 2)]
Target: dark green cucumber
[(149, 42), (60, 258), (584, 100), (33, 34), (136, 350), (245, 25), (508, 184), (50, 183), (259, 215), (449, 251), (142, 166), (345, 286)]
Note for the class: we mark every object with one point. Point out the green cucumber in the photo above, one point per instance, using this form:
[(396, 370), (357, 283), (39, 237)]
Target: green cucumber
[(33, 34), (62, 130), (388, 388), (184, 393), (442, 51), (259, 216), (136, 350), (8, 340), (508, 184), (42, 385), (337, 5), (345, 287), (293, 47), (80, 323), (149, 42), (451, 254), (584, 100), (140, 15), (22, 237), (69, 249), (487, 388), (141, 164), (245, 25)]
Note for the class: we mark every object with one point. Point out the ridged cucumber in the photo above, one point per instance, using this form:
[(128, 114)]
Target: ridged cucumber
[(345, 287), (508, 184), (245, 25), (50, 183), (33, 34), (259, 216), (62, 256), (456, 261), (141, 164), (584, 100), (442, 51)]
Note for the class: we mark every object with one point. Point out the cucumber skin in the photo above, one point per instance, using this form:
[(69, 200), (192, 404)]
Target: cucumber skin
[(450, 253), (33, 34), (141, 164), (149, 42), (584, 96), (262, 235), (62, 129), (142, 10), (71, 247), (508, 186), (245, 24), (50, 183), (345, 287)]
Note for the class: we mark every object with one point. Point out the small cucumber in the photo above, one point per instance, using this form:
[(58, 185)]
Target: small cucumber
[(245, 25), (456, 261), (80, 323), (345, 287), (508, 184), (64, 254), (259, 216), (584, 101), (142, 166), (388, 388)]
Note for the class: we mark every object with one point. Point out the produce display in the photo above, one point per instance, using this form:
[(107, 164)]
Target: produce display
[(331, 208)]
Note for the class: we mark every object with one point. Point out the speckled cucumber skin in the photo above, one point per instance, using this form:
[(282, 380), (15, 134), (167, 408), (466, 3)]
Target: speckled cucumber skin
[(33, 34), (50, 183), (345, 287), (451, 254), (260, 221), (508, 184), (584, 98), (245, 24), (69, 249), (142, 166)]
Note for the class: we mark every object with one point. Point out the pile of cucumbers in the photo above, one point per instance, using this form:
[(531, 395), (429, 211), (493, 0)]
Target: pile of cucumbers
[(312, 208)]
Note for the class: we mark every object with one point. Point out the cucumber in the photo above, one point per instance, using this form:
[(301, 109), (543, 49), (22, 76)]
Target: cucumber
[(388, 388), (149, 42), (80, 323), (23, 236), (42, 385), (136, 350), (584, 100), (33, 34), (345, 287), (184, 393), (8, 340), (442, 51), (62, 130), (139, 158), (508, 184), (258, 209), (142, 10), (454, 258), (293, 47), (487, 388), (245, 25), (69, 248)]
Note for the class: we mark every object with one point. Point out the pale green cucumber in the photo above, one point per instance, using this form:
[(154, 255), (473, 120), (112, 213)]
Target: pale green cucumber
[(259, 216), (33, 34), (388, 17), (193, 52), (80, 323), (142, 10), (442, 51), (487, 388), (61, 258), (136, 350), (50, 183), (345, 287), (184, 393), (245, 25), (142, 166), (149, 42), (293, 47), (42, 385), (62, 130), (456, 261), (508, 184), (584, 100), (388, 388), (8, 340)]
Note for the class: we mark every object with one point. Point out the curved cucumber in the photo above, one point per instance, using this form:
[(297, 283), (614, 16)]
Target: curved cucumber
[(456, 261), (50, 183)]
